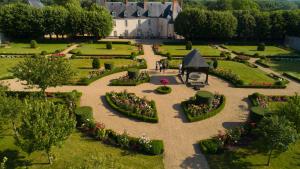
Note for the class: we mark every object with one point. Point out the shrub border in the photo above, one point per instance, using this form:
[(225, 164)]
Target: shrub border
[(115, 82), (291, 77), (130, 114), (205, 116)]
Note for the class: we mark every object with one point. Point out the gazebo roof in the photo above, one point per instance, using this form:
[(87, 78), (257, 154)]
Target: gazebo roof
[(194, 60)]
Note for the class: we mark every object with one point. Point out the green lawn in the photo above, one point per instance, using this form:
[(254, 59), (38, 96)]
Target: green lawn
[(205, 50), (286, 66), (78, 152), (81, 66), (250, 158), (269, 51), (100, 49), (246, 73), (24, 48)]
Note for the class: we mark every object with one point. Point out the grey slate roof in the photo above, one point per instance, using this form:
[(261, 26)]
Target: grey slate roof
[(194, 60), (36, 3), (137, 9)]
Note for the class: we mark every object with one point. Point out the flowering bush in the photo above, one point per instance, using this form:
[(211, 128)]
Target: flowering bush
[(164, 81), (145, 142)]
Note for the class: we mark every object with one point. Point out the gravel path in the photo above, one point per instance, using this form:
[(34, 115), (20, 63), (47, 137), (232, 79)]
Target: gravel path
[(180, 137)]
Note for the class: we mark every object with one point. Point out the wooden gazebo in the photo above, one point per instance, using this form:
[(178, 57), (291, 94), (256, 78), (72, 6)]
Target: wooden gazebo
[(194, 62)]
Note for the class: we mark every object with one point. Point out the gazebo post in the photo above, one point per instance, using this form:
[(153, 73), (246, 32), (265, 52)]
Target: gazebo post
[(187, 76), (206, 80)]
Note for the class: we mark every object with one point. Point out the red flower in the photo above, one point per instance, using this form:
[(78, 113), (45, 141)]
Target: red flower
[(164, 81)]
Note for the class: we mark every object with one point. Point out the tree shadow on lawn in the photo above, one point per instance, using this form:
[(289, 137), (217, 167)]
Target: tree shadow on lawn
[(14, 159), (116, 113), (179, 113)]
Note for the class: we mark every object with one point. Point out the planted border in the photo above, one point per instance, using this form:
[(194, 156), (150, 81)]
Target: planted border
[(291, 77), (205, 115), (132, 114), (144, 77)]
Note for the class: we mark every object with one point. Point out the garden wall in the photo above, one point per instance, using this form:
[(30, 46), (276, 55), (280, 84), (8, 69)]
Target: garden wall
[(292, 42)]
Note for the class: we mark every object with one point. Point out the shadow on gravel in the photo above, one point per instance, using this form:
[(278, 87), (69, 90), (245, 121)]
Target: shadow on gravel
[(179, 113), (196, 161)]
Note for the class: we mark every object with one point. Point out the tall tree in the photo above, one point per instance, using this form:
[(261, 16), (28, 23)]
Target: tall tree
[(43, 126), (245, 5), (246, 24), (43, 71), (278, 25), (276, 133), (263, 26)]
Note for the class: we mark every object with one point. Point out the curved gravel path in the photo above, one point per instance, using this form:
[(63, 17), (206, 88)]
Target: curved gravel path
[(180, 137)]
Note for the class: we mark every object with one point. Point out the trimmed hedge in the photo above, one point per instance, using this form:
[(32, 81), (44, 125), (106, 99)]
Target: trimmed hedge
[(133, 82), (84, 114), (291, 77), (157, 147), (257, 113), (132, 114), (206, 115), (210, 146), (163, 90), (261, 63)]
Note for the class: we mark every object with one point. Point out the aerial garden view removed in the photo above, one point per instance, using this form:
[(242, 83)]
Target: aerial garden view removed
[(177, 84)]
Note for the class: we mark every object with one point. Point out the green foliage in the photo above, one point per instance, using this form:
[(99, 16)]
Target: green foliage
[(43, 126), (215, 63), (258, 113), (261, 47), (157, 147), (188, 45), (96, 63), (291, 111), (211, 146), (33, 44), (276, 133), (109, 45), (43, 71), (84, 114), (109, 65), (204, 97), (163, 90), (133, 73)]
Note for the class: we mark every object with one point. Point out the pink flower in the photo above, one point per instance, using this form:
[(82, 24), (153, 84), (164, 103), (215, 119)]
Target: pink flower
[(164, 81)]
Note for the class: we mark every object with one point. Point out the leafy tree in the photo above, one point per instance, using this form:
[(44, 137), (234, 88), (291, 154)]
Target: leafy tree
[(291, 110), (223, 5), (43, 71), (263, 25), (43, 126), (276, 133), (245, 5), (246, 24), (278, 25), (96, 63)]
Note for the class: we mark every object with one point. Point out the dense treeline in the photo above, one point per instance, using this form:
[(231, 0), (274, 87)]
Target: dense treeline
[(275, 25), (24, 21)]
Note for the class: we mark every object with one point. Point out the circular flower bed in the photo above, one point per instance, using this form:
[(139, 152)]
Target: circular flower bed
[(163, 90), (203, 105), (131, 105)]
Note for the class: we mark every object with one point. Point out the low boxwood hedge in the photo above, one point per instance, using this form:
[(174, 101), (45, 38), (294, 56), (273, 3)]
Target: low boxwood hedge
[(203, 116), (291, 76), (157, 147), (257, 113), (131, 114), (163, 90), (210, 146), (83, 114)]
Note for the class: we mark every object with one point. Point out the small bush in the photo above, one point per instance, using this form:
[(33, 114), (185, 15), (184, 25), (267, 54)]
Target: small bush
[(133, 55), (261, 47), (168, 55), (129, 43), (215, 63), (157, 147), (256, 55), (76, 52), (133, 73), (188, 45), (211, 146), (84, 114), (109, 45), (163, 90), (73, 56), (33, 44), (96, 63), (109, 66), (44, 52), (204, 97), (257, 113)]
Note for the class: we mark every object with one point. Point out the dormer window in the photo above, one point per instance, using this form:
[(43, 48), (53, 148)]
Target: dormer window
[(125, 14), (114, 14), (138, 13)]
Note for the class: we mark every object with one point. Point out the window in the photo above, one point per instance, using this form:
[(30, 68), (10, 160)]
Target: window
[(113, 14), (126, 23), (138, 13), (115, 23), (139, 22), (115, 34), (126, 33)]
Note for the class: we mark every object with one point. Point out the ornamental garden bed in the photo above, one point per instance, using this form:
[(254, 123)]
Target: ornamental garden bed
[(163, 89), (203, 105), (132, 106), (133, 78)]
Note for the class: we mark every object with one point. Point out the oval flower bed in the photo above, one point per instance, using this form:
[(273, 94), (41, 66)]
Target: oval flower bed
[(163, 90), (131, 105), (203, 105)]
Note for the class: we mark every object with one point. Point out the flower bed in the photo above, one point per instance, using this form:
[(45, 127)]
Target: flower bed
[(98, 131), (131, 105), (163, 90), (196, 111), (143, 77)]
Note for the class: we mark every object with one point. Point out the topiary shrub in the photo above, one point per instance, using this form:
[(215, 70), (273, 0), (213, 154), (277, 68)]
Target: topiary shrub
[(163, 90), (261, 47), (157, 147), (188, 45), (84, 114), (33, 44), (215, 63), (109, 45), (109, 66), (96, 63), (133, 73), (44, 52), (204, 97)]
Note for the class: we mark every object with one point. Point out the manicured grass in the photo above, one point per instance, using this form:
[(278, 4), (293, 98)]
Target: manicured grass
[(205, 50), (286, 66), (84, 66), (249, 157), (246, 73), (7, 64), (24, 48), (100, 49), (269, 51), (78, 152)]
